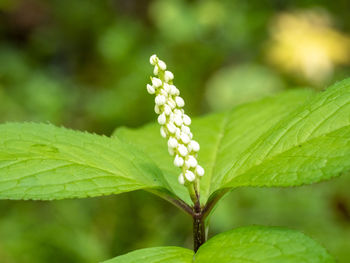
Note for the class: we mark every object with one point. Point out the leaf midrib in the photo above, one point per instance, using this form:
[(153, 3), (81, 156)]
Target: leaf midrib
[(218, 145)]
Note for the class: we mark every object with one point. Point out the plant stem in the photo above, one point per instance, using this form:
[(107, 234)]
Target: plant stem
[(199, 235)]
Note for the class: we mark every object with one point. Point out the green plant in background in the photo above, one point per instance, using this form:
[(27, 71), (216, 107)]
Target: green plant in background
[(295, 138)]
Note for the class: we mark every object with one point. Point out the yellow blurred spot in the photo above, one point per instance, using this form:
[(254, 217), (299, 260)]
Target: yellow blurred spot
[(305, 43)]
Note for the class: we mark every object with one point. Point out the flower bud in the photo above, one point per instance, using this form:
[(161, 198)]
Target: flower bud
[(181, 179), (150, 89), (190, 176), (156, 70), (162, 65), (185, 138), (178, 161), (182, 150), (174, 91), (194, 146), (171, 103), (178, 120), (186, 119), (156, 82), (153, 60), (199, 170), (167, 109), (191, 161), (179, 101), (161, 119), (160, 100), (185, 129), (168, 76), (167, 88), (172, 142), (171, 127)]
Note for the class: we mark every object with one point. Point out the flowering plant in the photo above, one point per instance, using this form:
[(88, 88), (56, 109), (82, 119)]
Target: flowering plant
[(295, 138)]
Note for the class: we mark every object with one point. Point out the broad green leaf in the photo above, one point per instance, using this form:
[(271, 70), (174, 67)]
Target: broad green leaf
[(309, 145), (156, 254), (223, 138), (263, 245), (241, 245), (44, 162)]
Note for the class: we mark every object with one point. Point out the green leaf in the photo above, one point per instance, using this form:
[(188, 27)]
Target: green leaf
[(241, 245), (309, 145), (44, 162), (263, 245), (156, 254), (291, 139)]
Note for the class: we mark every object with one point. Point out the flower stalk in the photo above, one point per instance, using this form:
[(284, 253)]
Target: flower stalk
[(175, 127)]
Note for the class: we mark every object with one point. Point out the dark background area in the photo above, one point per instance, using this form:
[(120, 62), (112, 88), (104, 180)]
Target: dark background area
[(84, 64)]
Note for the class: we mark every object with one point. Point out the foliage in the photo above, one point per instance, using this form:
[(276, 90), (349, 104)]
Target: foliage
[(59, 65), (247, 244), (305, 141)]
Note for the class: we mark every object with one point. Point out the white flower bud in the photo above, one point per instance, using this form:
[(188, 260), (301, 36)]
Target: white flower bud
[(166, 87), (185, 129), (178, 161), (174, 91), (178, 120), (160, 100), (185, 138), (172, 142), (190, 135), (156, 70), (168, 76), (179, 101), (163, 132), (171, 151), (191, 161), (178, 112), (156, 82), (162, 65), (156, 109), (181, 179), (163, 92), (186, 119), (182, 150), (171, 103), (162, 119), (150, 89), (194, 146), (153, 60), (171, 127), (199, 170), (167, 109), (190, 176)]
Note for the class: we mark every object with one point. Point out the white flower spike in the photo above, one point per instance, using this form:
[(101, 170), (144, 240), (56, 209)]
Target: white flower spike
[(174, 123)]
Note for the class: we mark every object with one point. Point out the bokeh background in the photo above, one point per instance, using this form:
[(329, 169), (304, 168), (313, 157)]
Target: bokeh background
[(84, 64)]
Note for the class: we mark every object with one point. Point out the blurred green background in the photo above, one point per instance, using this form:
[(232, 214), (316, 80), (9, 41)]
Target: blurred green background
[(84, 64)]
